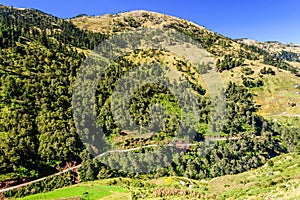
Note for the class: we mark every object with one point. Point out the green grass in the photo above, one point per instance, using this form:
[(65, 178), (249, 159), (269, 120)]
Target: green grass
[(279, 178), (278, 93), (84, 191)]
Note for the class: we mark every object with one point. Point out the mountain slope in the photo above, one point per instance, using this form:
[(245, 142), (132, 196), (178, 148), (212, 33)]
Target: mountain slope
[(277, 95), (276, 47), (40, 59)]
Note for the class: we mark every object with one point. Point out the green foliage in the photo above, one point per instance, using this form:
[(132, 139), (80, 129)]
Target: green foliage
[(132, 22), (251, 82), (240, 110), (17, 26), (289, 56), (37, 70), (247, 71), (46, 185), (264, 70), (143, 100), (228, 63)]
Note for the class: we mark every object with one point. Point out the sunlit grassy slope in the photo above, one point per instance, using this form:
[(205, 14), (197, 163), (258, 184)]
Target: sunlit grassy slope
[(276, 96)]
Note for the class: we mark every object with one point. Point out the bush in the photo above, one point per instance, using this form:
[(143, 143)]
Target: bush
[(247, 71), (228, 63), (267, 71)]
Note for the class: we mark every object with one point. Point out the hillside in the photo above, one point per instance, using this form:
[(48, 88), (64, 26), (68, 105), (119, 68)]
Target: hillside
[(278, 179), (276, 47), (277, 94), (44, 128)]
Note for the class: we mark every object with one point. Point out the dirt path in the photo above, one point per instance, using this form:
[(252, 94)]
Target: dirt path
[(100, 155), (40, 179)]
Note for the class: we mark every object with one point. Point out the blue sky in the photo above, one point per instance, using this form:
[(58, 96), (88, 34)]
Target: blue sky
[(263, 20)]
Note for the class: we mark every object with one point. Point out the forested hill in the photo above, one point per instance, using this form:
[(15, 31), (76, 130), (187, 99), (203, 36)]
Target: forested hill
[(40, 57)]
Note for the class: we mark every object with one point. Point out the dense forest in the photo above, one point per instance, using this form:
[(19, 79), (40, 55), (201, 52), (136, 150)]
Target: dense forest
[(38, 65), (40, 58)]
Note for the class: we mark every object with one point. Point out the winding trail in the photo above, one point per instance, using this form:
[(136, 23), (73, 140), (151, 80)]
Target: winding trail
[(38, 180), (112, 151)]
